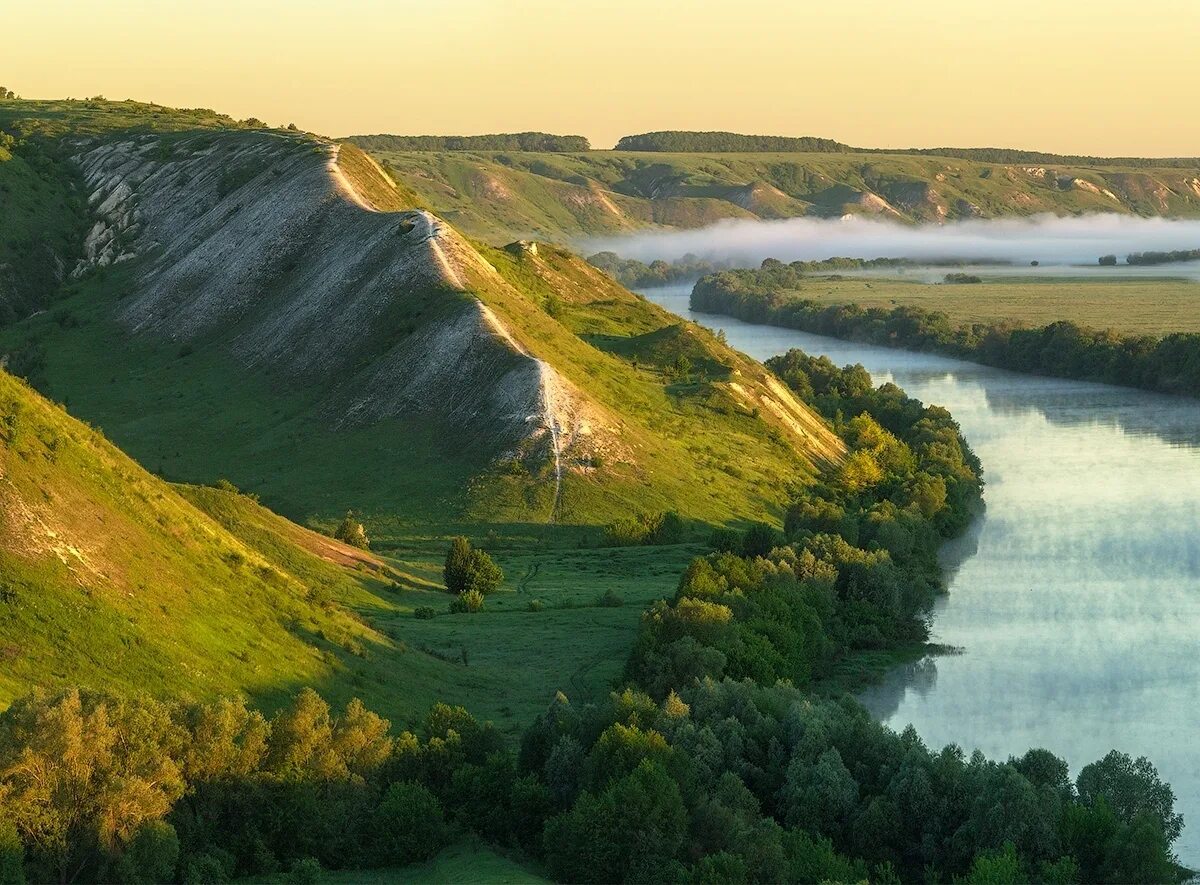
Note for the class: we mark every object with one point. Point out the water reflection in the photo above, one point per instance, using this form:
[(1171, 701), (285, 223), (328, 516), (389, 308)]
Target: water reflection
[(1075, 597)]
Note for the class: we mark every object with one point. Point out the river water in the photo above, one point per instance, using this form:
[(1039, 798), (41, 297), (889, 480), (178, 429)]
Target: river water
[(1075, 597)]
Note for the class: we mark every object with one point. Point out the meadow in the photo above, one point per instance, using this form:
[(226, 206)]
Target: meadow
[(1137, 306)]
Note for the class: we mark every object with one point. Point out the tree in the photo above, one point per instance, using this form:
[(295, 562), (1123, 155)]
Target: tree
[(81, 773), (352, 532), (1108, 260), (636, 826), (468, 569), (1131, 788), (408, 825)]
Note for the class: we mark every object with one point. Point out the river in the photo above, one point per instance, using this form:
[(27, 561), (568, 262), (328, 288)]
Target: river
[(1075, 597)]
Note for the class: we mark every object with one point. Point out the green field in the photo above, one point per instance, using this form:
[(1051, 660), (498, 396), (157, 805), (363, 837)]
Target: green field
[(1138, 306)]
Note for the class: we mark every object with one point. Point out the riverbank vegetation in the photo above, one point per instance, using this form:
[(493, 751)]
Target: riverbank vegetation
[(1169, 363)]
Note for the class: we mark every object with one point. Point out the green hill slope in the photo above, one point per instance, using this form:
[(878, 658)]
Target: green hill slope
[(289, 319), (499, 195), (111, 578)]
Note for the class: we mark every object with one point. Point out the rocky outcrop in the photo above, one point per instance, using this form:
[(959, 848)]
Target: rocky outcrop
[(258, 244)]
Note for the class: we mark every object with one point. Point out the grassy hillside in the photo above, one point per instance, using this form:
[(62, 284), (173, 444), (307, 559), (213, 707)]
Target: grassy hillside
[(374, 360), (111, 578), (499, 195)]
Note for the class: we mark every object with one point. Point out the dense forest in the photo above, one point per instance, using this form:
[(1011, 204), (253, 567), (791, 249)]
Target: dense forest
[(710, 763), (509, 141), (1169, 364)]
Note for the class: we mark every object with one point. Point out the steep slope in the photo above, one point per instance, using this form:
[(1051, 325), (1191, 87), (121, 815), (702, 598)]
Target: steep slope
[(111, 578), (499, 195), (278, 328)]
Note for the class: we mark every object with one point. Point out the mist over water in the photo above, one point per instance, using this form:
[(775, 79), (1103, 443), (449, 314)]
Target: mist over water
[(1075, 597), (1046, 239)]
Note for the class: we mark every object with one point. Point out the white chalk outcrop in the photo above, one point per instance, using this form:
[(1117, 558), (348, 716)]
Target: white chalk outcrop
[(257, 242)]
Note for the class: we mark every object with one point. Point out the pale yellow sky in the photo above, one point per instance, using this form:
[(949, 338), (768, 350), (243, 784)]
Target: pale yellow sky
[(1101, 76)]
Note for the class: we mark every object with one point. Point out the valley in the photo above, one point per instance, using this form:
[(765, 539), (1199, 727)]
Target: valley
[(355, 527)]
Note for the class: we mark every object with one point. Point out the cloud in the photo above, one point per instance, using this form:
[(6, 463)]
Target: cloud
[(1044, 238)]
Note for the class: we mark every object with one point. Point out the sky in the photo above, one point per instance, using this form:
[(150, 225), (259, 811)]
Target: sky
[(1097, 77)]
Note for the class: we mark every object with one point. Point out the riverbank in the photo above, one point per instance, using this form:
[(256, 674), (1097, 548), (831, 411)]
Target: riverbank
[(1074, 596)]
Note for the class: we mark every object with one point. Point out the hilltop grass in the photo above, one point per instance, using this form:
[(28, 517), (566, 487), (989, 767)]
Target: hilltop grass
[(1137, 306)]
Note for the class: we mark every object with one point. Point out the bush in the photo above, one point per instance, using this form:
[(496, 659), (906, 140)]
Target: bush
[(760, 539), (467, 603), (352, 532), (306, 871), (645, 528), (725, 541), (610, 599), (535, 605), (407, 826), (424, 612)]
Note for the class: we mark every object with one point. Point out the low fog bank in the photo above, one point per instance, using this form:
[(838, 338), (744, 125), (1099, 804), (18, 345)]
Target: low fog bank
[(1046, 239)]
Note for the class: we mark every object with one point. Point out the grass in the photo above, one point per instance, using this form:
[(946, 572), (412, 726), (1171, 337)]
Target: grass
[(117, 580), (1139, 306)]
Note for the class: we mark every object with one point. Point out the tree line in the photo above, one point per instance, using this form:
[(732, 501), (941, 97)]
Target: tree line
[(674, 141), (509, 141), (1136, 258), (1168, 364)]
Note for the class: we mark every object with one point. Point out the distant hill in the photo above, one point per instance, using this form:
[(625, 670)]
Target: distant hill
[(512, 141), (679, 142), (722, 142), (501, 195)]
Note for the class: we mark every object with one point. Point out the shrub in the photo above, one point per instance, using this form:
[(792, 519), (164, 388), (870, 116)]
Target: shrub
[(352, 532), (424, 612), (467, 603), (610, 599), (535, 605), (725, 541), (306, 871), (760, 539)]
